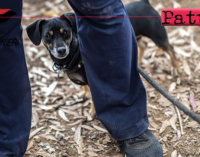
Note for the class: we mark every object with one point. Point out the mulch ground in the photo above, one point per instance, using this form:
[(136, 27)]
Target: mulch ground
[(61, 125)]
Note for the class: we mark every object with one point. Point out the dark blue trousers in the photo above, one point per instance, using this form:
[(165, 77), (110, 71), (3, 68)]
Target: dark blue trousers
[(109, 50), (15, 92)]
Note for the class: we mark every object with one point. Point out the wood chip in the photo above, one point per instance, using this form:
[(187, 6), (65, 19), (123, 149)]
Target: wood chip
[(176, 4), (45, 154), (77, 122), (186, 68), (172, 87), (197, 67), (174, 153), (153, 124), (92, 154), (87, 127), (77, 134), (181, 52), (56, 128), (40, 72), (48, 137), (54, 122), (99, 128), (198, 108), (30, 144), (62, 115), (80, 145), (172, 33), (50, 89), (158, 6), (89, 118), (35, 132), (35, 118), (71, 112), (192, 124), (173, 121), (46, 108), (164, 126)]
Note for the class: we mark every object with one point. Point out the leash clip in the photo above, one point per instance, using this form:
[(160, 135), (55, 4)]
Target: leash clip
[(56, 70), (54, 67)]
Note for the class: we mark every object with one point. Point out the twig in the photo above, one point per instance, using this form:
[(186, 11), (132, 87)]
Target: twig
[(180, 120), (186, 119)]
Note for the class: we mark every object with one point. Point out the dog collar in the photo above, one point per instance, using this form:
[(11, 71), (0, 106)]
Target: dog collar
[(56, 67), (71, 64), (72, 67)]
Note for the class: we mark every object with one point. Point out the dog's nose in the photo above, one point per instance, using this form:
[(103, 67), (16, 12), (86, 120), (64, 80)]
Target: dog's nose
[(61, 50)]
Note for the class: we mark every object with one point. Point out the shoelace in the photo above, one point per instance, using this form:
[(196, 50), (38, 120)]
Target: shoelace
[(137, 139)]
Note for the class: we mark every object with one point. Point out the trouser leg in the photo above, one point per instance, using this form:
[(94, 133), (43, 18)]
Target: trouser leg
[(109, 50), (15, 92)]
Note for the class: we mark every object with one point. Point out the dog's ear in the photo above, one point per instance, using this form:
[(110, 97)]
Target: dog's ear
[(34, 31), (70, 17)]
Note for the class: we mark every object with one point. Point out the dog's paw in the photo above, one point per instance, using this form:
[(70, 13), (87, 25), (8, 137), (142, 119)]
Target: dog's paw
[(175, 71)]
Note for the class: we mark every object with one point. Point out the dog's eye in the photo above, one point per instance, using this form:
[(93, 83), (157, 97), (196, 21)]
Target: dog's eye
[(65, 32), (47, 36)]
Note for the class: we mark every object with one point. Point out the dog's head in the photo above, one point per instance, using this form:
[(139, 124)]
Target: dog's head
[(57, 34)]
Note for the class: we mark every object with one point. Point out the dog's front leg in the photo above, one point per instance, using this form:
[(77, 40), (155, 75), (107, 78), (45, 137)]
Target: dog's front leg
[(92, 111), (87, 94)]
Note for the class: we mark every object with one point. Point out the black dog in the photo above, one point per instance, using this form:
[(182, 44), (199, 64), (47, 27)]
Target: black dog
[(151, 28), (59, 35)]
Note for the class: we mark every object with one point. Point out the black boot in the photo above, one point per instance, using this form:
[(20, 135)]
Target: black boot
[(145, 145)]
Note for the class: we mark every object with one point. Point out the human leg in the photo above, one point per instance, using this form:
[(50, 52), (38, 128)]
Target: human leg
[(109, 50), (15, 92)]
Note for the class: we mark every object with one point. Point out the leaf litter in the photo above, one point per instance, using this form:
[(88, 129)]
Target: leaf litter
[(59, 110)]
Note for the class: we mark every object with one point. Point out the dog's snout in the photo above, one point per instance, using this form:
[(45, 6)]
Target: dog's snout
[(61, 50)]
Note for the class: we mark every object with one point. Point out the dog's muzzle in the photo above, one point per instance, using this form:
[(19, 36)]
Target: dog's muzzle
[(61, 50)]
